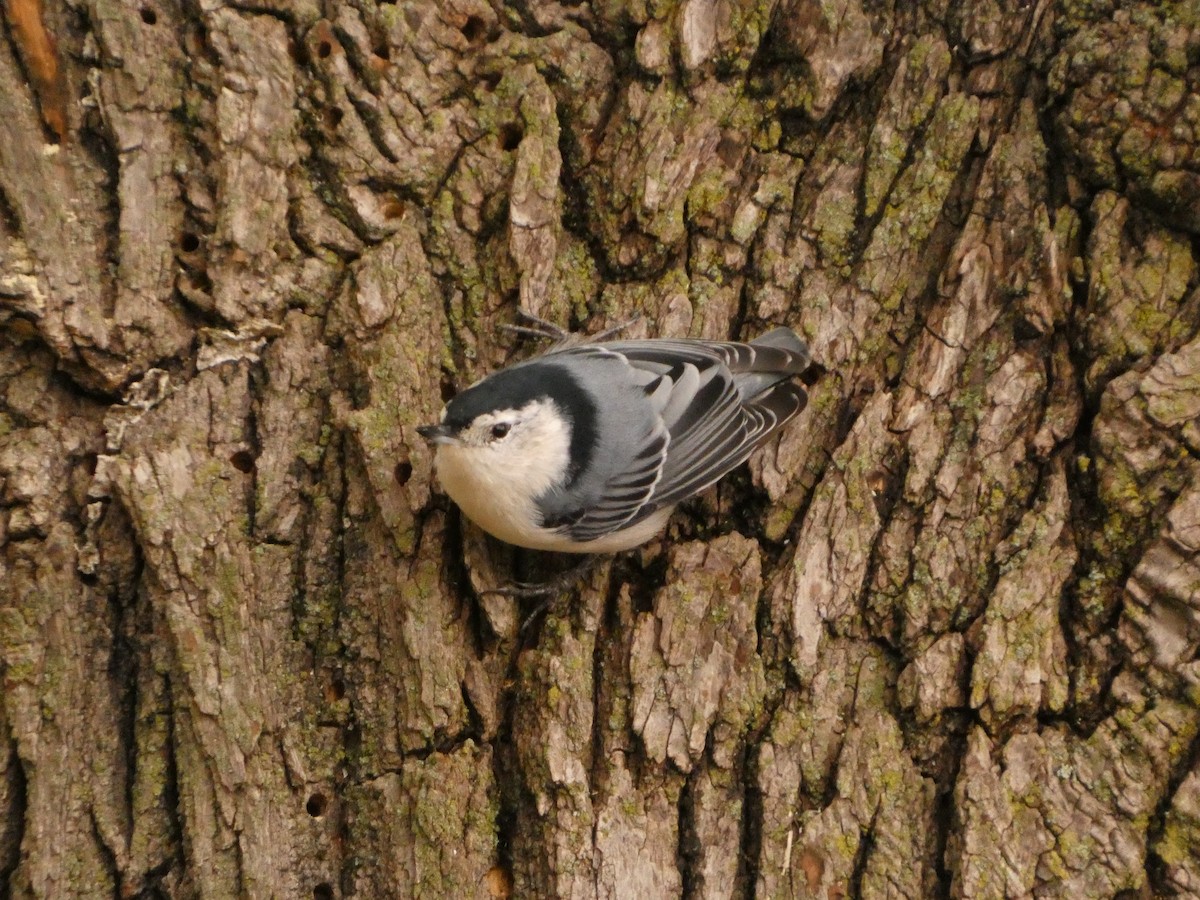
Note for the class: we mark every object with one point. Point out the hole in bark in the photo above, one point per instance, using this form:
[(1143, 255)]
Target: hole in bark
[(337, 688), (149, 16), (510, 137), (323, 891), (383, 51), (491, 81), (403, 472), (333, 116), (189, 243), (473, 29), (243, 461), (393, 209), (316, 805), (1024, 330), (324, 48), (448, 392)]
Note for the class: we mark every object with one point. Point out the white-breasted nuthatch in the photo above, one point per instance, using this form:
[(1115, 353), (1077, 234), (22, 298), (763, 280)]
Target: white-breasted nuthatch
[(589, 447)]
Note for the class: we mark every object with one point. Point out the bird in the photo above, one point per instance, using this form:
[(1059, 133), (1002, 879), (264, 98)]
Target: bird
[(587, 448)]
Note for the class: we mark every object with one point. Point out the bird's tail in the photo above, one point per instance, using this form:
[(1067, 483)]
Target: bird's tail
[(777, 355), (786, 339)]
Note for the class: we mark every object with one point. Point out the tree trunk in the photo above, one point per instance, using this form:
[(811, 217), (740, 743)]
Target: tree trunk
[(941, 640)]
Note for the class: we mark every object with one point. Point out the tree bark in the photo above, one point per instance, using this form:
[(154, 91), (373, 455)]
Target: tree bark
[(941, 639)]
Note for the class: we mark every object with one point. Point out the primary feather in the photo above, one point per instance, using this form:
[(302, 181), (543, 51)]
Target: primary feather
[(648, 424)]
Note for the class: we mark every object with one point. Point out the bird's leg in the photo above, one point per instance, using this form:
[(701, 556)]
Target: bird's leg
[(542, 328), (526, 332), (547, 589), (616, 329), (547, 330)]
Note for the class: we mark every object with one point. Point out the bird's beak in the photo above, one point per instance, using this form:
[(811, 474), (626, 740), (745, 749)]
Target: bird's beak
[(437, 434)]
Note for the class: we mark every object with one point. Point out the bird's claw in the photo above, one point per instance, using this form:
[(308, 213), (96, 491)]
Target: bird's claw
[(617, 329), (547, 330), (560, 583), (541, 328), (524, 590), (529, 332)]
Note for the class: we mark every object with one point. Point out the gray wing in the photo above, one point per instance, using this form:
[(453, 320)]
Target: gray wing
[(636, 466), (719, 408), (715, 402)]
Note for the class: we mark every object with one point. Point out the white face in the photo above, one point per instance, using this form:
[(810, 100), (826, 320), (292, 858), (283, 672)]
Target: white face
[(508, 428), (526, 450)]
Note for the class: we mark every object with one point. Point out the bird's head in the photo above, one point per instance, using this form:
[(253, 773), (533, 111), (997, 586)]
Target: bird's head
[(509, 426)]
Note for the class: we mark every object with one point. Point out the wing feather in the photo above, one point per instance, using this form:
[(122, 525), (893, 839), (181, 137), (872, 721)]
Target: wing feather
[(732, 446), (716, 402), (626, 494)]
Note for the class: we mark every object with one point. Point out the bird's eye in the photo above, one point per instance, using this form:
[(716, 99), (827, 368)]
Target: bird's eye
[(499, 430)]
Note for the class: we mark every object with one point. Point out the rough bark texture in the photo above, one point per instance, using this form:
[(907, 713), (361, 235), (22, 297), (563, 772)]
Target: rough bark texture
[(941, 641)]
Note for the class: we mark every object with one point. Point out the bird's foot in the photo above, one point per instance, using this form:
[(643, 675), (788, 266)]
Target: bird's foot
[(547, 330), (561, 582), (537, 328), (616, 329), (545, 591)]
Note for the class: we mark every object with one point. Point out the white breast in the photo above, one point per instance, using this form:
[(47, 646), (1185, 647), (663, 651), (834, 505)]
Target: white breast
[(498, 501)]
